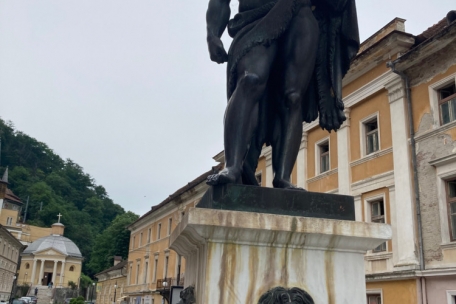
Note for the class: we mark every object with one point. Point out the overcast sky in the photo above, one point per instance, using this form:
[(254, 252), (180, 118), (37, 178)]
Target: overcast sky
[(126, 88)]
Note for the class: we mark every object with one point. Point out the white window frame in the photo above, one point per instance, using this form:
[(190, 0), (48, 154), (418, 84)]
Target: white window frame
[(451, 295), (146, 271), (166, 265), (158, 231), (259, 173), (362, 133), (434, 98), (375, 291), (155, 268), (170, 223), (368, 212), (318, 145), (445, 170)]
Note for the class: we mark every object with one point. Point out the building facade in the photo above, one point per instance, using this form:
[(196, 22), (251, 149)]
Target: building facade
[(395, 154), (152, 267), (53, 258), (111, 283), (10, 250)]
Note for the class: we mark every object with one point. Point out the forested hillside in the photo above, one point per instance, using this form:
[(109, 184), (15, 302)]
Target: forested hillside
[(62, 186)]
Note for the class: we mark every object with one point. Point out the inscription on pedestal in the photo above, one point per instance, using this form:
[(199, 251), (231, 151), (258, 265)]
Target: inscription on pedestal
[(279, 201)]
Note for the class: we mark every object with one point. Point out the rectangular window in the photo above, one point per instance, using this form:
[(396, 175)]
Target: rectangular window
[(447, 103), (371, 136), (323, 151), (378, 216), (159, 231), (170, 225), (146, 272), (137, 274), (165, 274), (148, 235), (140, 239), (374, 299), (451, 201), (130, 274), (155, 269), (133, 243)]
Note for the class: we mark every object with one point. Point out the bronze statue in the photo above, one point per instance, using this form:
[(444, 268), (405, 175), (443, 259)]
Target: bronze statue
[(187, 296), (285, 66), (280, 295)]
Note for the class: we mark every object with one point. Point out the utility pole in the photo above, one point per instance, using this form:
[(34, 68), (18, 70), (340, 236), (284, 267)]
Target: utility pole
[(26, 207)]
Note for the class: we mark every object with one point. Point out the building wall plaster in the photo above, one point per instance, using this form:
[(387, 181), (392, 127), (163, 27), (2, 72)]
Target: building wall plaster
[(429, 149)]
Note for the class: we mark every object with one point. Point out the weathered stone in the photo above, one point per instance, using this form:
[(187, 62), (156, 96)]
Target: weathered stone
[(234, 257), (279, 201)]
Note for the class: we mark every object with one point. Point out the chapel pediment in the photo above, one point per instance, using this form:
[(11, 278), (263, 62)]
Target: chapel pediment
[(50, 252)]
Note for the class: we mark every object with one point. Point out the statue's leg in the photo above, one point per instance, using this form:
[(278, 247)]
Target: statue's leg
[(297, 52), (241, 116)]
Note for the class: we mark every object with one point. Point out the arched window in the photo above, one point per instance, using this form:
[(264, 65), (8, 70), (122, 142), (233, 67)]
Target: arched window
[(27, 266), (72, 268)]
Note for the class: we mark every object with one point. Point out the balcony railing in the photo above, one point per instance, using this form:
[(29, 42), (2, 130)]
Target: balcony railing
[(166, 283)]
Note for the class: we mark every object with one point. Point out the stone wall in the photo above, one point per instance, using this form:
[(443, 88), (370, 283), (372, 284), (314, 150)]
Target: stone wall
[(64, 293)]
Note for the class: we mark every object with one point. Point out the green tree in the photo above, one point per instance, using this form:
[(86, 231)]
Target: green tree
[(113, 241), (54, 186)]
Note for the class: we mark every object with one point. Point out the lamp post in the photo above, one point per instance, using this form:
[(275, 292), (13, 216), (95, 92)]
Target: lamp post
[(115, 291), (12, 289), (93, 287), (25, 278)]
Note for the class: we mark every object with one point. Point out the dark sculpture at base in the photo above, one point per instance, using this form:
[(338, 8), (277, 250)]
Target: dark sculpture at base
[(285, 66), (187, 296), (280, 295)]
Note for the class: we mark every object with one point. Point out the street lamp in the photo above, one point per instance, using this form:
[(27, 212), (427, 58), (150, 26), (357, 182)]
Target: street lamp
[(93, 287), (25, 278), (12, 289)]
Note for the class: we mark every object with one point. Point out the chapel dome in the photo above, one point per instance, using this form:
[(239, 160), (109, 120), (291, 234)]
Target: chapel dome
[(57, 242)]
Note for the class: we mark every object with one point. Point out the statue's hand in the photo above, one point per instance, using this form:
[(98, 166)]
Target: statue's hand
[(216, 50)]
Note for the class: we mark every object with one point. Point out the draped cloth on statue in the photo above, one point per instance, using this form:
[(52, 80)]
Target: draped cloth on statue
[(338, 45)]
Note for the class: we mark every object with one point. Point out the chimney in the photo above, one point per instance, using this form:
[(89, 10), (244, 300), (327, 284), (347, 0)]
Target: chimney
[(57, 229), (117, 259)]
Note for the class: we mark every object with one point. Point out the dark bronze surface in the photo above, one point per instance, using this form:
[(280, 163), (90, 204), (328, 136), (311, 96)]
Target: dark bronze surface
[(279, 201), (280, 295), (285, 66)]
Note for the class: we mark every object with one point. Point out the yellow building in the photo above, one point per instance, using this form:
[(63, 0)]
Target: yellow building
[(111, 283), (10, 249), (10, 218), (152, 266), (400, 175), (53, 258)]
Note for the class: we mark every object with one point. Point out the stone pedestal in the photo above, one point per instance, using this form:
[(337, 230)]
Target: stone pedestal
[(233, 257)]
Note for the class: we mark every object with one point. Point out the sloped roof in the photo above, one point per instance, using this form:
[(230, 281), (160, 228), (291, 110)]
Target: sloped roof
[(10, 196), (115, 267), (57, 242), (181, 191)]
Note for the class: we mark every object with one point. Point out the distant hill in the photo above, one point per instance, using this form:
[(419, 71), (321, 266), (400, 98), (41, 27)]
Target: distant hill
[(62, 186)]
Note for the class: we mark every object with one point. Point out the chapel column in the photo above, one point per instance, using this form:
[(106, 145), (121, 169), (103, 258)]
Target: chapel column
[(54, 273), (41, 271), (62, 273), (32, 278)]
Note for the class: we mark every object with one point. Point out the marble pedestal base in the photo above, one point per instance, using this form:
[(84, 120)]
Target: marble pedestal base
[(233, 257)]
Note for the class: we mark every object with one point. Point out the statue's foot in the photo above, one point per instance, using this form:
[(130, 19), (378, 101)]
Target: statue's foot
[(283, 184), (226, 176)]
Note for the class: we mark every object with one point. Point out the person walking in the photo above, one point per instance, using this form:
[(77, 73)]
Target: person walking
[(36, 291)]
